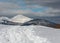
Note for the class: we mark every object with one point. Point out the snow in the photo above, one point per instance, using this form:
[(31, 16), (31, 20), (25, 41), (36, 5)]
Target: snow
[(5, 18), (20, 19), (28, 34)]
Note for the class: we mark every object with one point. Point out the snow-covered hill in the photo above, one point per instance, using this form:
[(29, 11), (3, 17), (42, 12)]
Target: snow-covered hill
[(28, 34), (16, 20), (8, 21), (42, 22), (20, 19), (3, 18)]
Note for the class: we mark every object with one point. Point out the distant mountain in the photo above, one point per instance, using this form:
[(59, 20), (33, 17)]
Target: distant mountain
[(20, 19), (7, 21), (16, 20), (42, 22), (55, 19), (26, 21), (3, 18)]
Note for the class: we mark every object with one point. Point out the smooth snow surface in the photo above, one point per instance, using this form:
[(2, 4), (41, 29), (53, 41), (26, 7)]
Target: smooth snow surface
[(28, 34), (20, 19)]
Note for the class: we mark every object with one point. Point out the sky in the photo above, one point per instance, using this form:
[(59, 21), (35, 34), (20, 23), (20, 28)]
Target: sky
[(30, 7)]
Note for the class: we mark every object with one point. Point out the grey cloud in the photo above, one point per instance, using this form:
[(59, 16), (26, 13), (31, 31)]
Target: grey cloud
[(8, 8), (6, 5), (49, 3), (54, 4)]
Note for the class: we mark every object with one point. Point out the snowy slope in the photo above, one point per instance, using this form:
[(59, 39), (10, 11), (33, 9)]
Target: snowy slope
[(3, 18), (20, 19), (28, 34)]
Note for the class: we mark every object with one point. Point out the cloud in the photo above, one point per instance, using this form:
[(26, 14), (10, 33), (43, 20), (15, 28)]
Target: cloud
[(41, 1), (52, 5), (49, 3), (8, 8), (7, 5), (49, 12), (11, 8)]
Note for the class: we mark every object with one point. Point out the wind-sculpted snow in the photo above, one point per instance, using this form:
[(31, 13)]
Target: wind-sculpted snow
[(26, 34)]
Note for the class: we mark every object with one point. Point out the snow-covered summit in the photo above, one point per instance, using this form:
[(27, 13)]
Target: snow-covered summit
[(20, 19), (3, 18)]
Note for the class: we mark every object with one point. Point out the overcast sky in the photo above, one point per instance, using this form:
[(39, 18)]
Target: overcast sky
[(30, 7)]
